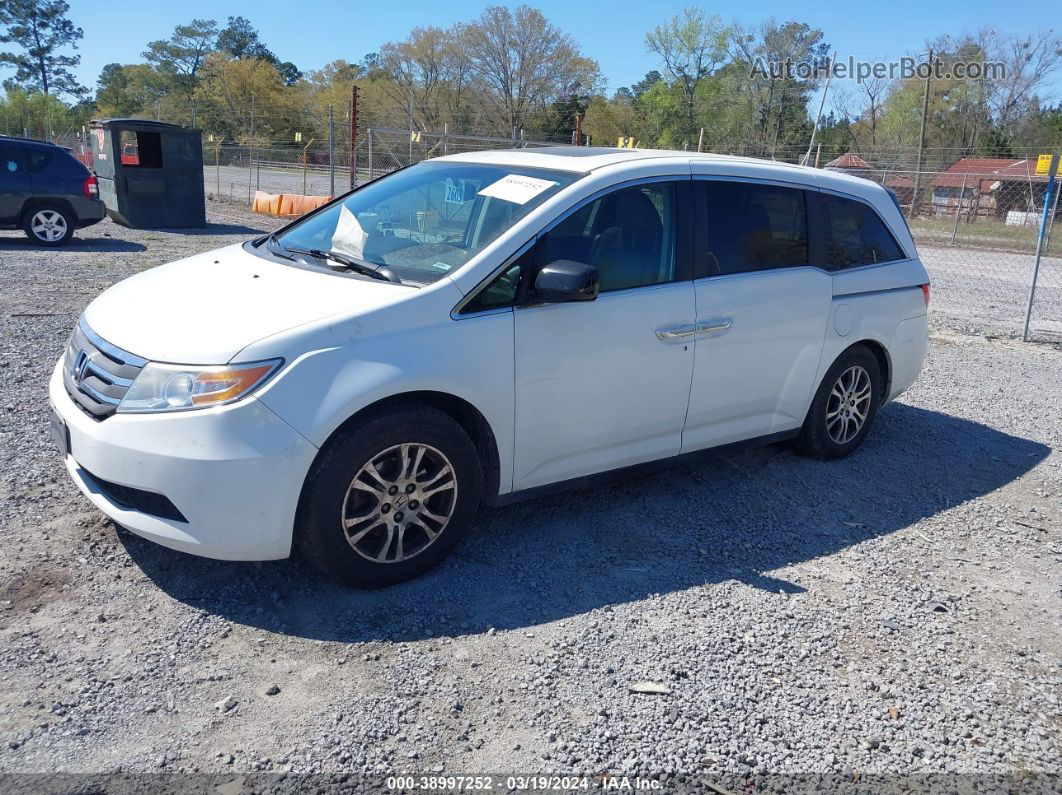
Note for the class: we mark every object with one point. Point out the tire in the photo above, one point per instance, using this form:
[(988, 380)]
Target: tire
[(50, 225), (831, 428), (349, 533)]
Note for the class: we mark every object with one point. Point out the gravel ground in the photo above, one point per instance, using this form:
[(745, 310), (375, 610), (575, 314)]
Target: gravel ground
[(897, 612)]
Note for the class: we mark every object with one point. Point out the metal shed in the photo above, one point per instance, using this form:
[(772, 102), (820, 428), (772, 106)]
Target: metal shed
[(150, 173)]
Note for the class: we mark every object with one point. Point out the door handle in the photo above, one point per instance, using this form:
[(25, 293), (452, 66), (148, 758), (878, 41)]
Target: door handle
[(676, 332), (714, 326)]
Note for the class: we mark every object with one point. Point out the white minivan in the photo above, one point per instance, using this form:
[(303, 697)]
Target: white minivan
[(480, 326)]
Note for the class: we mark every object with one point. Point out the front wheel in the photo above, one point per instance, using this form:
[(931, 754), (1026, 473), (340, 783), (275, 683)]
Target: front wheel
[(844, 406), (389, 498)]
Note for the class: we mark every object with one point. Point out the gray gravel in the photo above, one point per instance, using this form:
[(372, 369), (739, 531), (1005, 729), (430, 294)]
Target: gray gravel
[(895, 612)]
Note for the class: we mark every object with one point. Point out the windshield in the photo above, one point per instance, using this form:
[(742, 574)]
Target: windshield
[(426, 221)]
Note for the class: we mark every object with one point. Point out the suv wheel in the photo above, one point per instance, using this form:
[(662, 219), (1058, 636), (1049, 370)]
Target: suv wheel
[(49, 225), (389, 499), (844, 406)]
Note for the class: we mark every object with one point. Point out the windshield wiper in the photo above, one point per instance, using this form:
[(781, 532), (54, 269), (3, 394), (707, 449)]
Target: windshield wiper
[(350, 263)]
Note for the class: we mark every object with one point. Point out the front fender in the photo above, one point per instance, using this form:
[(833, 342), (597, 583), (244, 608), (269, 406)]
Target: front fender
[(471, 359)]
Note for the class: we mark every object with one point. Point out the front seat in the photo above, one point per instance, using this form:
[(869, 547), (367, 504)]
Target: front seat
[(627, 252)]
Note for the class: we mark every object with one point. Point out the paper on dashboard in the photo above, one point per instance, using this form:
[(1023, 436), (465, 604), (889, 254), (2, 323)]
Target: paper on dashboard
[(517, 188)]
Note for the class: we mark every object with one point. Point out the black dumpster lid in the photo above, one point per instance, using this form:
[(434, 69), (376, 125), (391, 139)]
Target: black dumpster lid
[(139, 123)]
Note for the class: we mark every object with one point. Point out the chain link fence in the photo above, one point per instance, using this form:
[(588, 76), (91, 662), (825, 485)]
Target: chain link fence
[(977, 229), (233, 172)]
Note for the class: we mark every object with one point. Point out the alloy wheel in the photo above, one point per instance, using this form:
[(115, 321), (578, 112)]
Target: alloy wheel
[(848, 404), (399, 503), (48, 225)]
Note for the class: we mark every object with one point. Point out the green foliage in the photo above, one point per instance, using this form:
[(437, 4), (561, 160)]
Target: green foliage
[(512, 68), (38, 115)]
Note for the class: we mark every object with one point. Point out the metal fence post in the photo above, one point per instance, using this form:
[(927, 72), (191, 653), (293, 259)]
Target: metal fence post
[(305, 159), (445, 140), (1051, 223), (250, 153), (1052, 173), (958, 209), (331, 153), (369, 134), (217, 168)]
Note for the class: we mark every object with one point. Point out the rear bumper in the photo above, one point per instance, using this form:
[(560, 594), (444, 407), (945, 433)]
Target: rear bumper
[(235, 472), (89, 211), (908, 353)]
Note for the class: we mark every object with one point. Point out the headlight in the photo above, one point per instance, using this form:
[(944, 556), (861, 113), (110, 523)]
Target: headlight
[(173, 387)]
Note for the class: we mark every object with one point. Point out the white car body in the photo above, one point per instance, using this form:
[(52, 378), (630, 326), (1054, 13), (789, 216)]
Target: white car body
[(566, 390)]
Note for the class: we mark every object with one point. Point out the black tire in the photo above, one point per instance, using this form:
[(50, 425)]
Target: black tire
[(319, 532), (42, 231), (815, 439)]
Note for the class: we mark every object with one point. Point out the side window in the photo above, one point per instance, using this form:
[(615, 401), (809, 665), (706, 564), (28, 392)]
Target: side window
[(503, 290), (754, 227), (628, 235), (855, 235), (37, 160), (11, 160)]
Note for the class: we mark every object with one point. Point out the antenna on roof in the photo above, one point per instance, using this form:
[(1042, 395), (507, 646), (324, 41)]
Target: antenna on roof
[(811, 145)]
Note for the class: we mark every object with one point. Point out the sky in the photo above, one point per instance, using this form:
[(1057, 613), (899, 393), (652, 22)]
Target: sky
[(310, 34)]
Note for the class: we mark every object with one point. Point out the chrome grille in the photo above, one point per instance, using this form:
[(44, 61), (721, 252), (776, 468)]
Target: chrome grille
[(97, 374)]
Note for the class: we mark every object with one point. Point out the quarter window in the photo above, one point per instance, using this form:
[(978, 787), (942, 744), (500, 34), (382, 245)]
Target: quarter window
[(855, 235), (503, 290), (754, 227), (628, 235)]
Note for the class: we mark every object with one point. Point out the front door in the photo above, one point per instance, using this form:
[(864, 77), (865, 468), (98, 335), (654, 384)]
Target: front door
[(604, 384)]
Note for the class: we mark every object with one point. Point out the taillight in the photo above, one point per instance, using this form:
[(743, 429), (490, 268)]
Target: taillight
[(91, 187), (925, 293)]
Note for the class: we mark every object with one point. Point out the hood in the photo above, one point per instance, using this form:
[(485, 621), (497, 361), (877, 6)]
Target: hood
[(207, 308)]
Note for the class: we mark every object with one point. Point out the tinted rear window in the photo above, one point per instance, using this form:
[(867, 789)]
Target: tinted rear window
[(754, 227), (855, 235), (37, 160)]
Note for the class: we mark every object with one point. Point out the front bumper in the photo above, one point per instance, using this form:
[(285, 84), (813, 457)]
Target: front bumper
[(235, 472)]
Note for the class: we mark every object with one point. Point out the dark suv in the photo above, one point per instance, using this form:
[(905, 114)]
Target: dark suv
[(45, 191)]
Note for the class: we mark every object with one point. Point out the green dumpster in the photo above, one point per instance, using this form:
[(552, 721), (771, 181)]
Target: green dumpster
[(150, 173)]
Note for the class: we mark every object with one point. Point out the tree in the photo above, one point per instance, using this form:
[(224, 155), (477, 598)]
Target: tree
[(41, 29), (779, 100), (523, 62), (431, 69), (230, 87), (184, 51), (139, 89), (692, 46), (240, 40)]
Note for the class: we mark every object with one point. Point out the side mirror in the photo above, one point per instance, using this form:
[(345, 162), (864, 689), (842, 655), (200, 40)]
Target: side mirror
[(564, 280)]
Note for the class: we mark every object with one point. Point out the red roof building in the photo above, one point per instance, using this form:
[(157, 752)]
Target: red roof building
[(849, 162)]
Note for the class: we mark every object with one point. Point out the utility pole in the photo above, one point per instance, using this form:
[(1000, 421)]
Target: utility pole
[(921, 137), (578, 129), (331, 152), (353, 136)]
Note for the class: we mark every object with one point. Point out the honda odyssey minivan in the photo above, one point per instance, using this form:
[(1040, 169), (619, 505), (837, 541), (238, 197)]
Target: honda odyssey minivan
[(475, 328)]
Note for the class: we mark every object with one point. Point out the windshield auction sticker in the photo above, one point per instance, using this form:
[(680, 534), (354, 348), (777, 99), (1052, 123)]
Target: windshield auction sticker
[(517, 188)]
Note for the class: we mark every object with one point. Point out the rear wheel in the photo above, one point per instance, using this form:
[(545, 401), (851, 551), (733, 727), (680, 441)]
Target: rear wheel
[(390, 498), (48, 225), (844, 406)]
